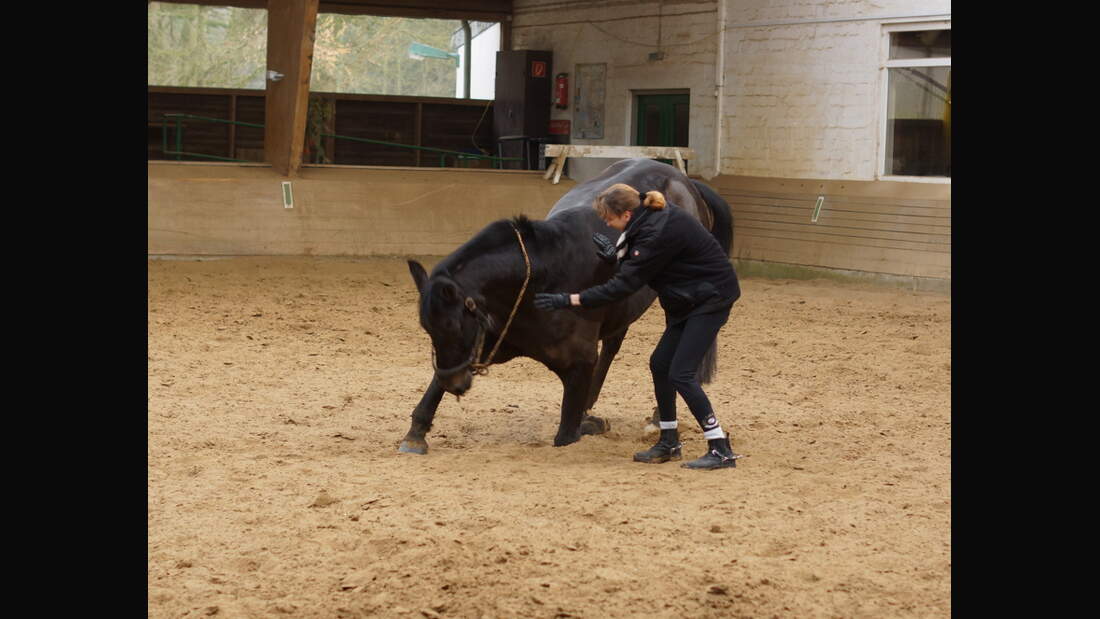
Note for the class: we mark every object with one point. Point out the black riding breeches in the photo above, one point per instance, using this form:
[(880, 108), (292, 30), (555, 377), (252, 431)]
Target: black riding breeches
[(675, 363)]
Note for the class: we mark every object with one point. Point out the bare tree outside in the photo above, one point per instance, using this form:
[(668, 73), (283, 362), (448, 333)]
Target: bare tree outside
[(226, 47)]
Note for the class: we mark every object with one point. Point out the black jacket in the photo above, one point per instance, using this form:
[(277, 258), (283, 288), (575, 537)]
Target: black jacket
[(673, 253)]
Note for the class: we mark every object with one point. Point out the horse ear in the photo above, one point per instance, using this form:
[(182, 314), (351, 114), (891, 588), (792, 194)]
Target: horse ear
[(419, 275)]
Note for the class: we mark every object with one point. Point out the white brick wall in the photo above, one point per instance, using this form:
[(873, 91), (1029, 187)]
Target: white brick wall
[(623, 34), (800, 101), (802, 94), (801, 77)]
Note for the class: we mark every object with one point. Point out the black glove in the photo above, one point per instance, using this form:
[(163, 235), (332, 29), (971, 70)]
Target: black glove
[(605, 249), (551, 300)]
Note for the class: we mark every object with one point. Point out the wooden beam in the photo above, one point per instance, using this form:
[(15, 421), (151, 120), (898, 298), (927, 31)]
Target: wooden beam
[(506, 34), (477, 10), (290, 32)]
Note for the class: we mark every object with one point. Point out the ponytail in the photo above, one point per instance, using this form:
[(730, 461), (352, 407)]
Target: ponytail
[(654, 200)]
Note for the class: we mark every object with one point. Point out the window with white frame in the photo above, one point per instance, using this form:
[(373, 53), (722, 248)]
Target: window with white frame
[(917, 131)]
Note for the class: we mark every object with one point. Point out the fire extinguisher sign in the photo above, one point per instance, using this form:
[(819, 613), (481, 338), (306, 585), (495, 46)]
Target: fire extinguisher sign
[(538, 68)]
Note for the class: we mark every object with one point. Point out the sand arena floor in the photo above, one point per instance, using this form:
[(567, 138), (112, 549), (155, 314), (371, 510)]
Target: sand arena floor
[(279, 389)]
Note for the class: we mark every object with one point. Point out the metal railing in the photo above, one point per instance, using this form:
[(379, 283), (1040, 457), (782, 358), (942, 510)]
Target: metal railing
[(176, 121)]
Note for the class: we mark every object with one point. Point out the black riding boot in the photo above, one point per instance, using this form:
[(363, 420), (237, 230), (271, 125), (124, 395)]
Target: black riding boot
[(719, 456), (667, 448)]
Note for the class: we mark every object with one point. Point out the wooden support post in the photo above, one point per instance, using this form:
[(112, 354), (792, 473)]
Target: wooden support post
[(559, 164), (556, 165), (290, 33)]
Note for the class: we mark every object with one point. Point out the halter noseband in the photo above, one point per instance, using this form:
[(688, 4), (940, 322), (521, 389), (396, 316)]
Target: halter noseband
[(479, 344)]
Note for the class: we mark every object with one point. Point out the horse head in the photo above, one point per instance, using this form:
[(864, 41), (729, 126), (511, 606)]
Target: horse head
[(456, 323)]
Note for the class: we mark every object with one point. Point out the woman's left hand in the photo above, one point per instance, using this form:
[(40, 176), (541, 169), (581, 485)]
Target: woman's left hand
[(551, 300), (605, 249)]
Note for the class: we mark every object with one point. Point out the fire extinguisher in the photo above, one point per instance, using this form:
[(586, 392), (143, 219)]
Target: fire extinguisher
[(561, 91)]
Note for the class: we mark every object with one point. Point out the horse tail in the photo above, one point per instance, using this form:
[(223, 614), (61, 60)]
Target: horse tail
[(722, 213), (723, 232), (708, 367)]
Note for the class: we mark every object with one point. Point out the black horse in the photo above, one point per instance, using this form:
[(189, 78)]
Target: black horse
[(476, 304)]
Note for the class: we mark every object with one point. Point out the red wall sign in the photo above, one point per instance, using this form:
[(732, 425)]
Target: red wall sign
[(559, 127), (538, 68)]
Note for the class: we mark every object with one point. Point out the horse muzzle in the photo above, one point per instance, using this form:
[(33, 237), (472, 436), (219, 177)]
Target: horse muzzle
[(457, 380), (457, 383)]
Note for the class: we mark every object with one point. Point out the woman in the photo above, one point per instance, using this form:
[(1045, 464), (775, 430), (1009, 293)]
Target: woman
[(667, 248)]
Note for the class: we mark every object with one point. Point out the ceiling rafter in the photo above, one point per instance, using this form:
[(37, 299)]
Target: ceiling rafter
[(482, 10)]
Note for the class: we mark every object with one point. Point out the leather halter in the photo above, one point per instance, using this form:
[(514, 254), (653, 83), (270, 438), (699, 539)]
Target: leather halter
[(479, 344), (477, 367)]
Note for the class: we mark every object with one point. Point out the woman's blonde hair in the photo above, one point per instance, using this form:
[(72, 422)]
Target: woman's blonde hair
[(620, 198)]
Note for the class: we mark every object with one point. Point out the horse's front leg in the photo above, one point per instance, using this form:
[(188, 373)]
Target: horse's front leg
[(608, 350), (422, 416), (575, 384), (591, 424)]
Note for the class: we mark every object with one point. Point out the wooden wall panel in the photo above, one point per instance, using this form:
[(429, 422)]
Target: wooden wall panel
[(461, 128), (197, 208), (249, 141), (880, 227), (375, 120), (426, 121)]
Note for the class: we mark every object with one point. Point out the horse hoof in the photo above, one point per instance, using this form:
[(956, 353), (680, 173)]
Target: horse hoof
[(594, 425), (410, 447)]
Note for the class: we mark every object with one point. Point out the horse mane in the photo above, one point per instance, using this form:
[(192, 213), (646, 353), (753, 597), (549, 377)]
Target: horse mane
[(525, 226), (496, 235)]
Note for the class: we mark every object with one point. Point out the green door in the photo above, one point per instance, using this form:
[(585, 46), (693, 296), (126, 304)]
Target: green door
[(663, 121)]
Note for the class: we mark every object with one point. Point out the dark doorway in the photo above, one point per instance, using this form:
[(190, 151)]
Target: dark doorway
[(662, 120)]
